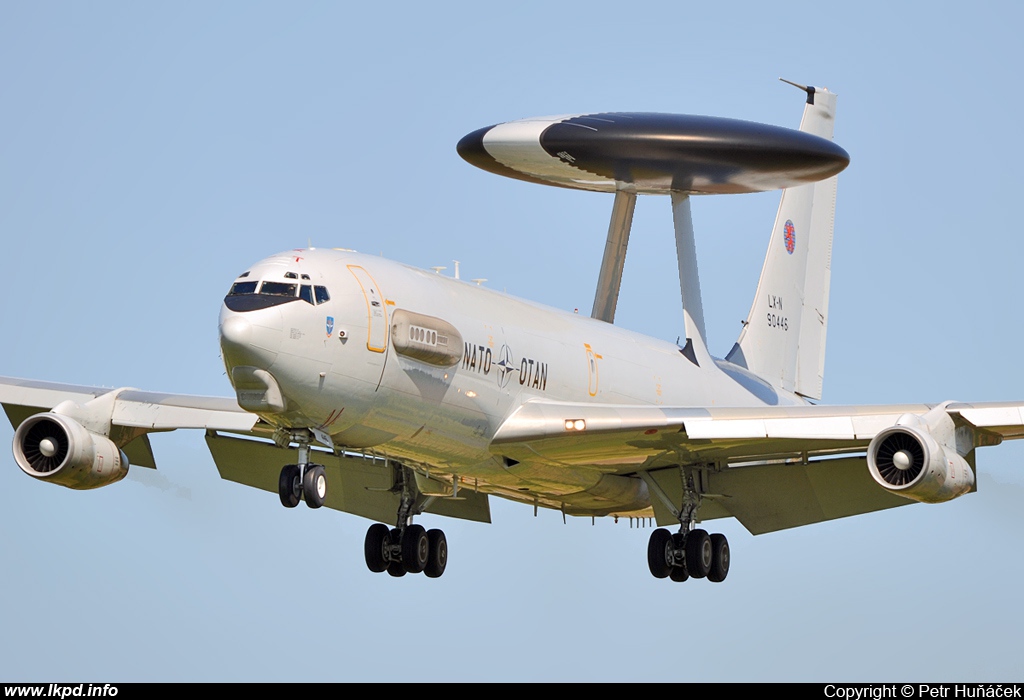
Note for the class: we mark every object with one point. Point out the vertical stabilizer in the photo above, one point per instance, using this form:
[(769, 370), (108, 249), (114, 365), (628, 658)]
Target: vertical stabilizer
[(783, 338)]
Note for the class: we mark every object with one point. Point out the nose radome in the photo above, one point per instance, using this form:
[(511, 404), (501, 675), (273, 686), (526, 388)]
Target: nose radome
[(252, 338), (236, 330)]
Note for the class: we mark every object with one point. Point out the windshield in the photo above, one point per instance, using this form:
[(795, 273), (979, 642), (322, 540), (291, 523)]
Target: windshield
[(279, 289)]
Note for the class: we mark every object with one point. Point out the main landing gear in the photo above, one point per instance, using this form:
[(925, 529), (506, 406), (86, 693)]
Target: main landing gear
[(691, 552), (302, 481), (688, 554), (407, 548)]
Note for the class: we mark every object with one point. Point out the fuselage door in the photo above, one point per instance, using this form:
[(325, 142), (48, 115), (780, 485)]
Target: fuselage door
[(376, 309)]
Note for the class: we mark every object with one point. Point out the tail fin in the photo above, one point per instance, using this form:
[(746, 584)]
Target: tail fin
[(783, 338)]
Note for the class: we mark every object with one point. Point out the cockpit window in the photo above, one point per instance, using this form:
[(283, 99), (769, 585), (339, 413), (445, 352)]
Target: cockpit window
[(290, 276), (244, 274), (242, 288), (322, 295), (306, 293), (279, 289), (305, 276)]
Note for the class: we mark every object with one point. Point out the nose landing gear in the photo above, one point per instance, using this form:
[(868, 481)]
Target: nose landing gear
[(302, 481)]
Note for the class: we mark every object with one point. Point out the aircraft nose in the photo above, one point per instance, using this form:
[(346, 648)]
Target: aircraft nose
[(235, 330), (252, 338)]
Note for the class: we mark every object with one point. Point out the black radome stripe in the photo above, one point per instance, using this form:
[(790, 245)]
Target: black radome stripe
[(713, 155)]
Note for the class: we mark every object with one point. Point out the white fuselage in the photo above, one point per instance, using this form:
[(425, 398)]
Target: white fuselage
[(337, 368)]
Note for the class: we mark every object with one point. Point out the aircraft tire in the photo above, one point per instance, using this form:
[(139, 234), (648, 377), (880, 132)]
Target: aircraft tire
[(719, 558), (415, 549), (286, 486), (437, 559), (679, 574), (396, 569), (699, 554), (658, 560), (314, 485), (376, 548)]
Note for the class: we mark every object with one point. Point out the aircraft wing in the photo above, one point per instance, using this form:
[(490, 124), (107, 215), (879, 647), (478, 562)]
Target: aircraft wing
[(131, 407), (127, 414), (772, 468), (580, 433)]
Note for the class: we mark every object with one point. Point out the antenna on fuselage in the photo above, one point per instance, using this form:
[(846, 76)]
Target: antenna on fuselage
[(456, 268), (437, 269)]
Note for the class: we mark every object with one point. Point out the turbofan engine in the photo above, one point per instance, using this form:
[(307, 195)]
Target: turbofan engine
[(917, 459), (55, 448)]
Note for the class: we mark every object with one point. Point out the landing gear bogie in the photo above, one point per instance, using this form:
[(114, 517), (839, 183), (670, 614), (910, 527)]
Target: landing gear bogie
[(408, 550), (685, 555)]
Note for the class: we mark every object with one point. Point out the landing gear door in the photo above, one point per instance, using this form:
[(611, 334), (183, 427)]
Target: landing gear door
[(376, 309)]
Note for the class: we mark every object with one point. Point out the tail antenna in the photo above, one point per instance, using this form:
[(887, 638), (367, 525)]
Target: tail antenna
[(809, 89)]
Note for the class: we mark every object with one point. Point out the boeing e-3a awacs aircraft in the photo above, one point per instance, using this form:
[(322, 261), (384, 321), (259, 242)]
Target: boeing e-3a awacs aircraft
[(431, 394)]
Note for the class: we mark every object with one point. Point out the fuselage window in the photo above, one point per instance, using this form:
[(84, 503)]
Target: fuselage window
[(279, 289), (322, 295), (242, 288), (306, 293)]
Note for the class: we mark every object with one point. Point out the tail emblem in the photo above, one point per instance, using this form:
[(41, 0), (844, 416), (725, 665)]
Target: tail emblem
[(790, 237)]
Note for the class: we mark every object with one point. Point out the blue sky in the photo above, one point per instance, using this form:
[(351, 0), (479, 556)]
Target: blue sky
[(149, 153)]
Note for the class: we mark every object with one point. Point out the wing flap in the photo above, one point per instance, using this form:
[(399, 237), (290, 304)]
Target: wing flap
[(775, 497), (771, 497)]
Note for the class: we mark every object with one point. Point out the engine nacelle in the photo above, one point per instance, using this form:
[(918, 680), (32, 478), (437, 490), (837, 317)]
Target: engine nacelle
[(55, 448), (908, 461)]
